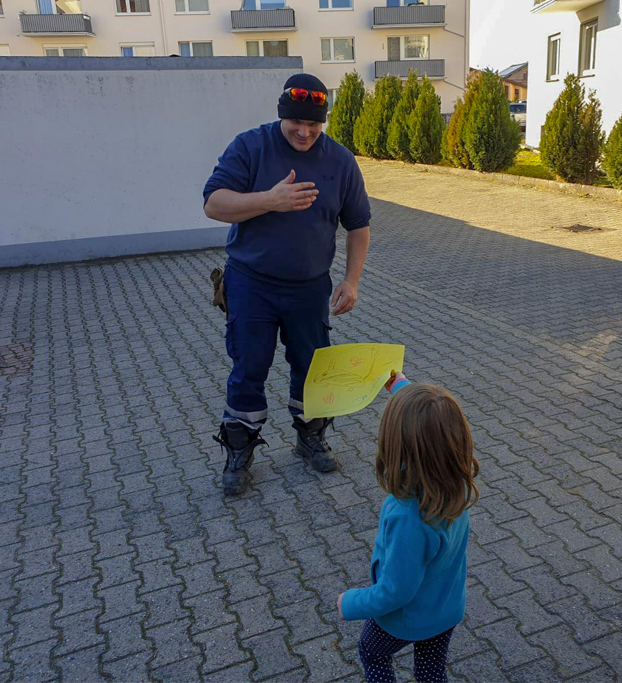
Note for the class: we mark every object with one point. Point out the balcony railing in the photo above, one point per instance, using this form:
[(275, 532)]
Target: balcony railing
[(433, 68), (263, 20), (410, 15), (562, 5), (56, 24)]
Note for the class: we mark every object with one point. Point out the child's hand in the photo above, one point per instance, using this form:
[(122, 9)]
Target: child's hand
[(395, 376), (339, 599)]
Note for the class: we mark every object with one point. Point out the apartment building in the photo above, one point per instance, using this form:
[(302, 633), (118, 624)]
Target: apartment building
[(583, 37), (375, 37)]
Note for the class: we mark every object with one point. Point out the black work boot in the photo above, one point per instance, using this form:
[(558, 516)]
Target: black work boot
[(240, 442), (311, 444)]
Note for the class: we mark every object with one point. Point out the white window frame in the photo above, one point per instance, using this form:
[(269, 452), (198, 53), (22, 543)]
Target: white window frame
[(332, 93), (130, 13), (330, 7), (593, 23), (402, 44), (403, 3), (192, 42), (332, 59), (63, 47), (187, 11), (555, 38), (133, 45), (258, 3), (261, 42)]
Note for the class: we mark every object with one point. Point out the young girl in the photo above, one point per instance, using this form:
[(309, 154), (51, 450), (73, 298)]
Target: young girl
[(426, 464)]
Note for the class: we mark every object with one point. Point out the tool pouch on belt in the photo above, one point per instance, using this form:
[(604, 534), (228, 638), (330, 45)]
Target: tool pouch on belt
[(220, 299)]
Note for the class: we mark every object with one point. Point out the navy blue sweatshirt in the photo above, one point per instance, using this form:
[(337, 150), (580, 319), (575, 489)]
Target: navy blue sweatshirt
[(295, 246)]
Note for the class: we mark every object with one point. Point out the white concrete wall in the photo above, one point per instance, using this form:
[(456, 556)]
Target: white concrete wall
[(607, 81), (121, 154), (165, 30)]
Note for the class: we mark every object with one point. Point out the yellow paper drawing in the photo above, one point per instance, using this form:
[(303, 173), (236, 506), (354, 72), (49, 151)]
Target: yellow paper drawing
[(344, 379)]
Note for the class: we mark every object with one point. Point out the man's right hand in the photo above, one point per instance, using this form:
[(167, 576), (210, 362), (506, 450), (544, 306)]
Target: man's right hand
[(290, 196)]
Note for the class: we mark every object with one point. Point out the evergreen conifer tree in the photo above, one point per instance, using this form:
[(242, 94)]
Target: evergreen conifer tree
[(425, 126), (346, 110), (492, 137), (398, 138)]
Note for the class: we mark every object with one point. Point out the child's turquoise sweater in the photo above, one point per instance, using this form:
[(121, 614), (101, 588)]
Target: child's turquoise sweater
[(418, 574)]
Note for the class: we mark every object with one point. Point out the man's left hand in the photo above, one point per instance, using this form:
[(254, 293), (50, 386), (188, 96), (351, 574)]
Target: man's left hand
[(344, 298)]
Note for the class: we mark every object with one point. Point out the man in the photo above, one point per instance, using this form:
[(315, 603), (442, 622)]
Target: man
[(284, 187)]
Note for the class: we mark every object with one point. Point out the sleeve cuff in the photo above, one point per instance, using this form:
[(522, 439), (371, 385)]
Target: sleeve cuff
[(348, 607), (399, 384), (364, 223)]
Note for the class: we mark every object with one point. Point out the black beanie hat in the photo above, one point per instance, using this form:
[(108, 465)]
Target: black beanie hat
[(305, 111)]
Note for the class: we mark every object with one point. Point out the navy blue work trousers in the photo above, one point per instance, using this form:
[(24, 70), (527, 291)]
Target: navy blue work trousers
[(258, 312)]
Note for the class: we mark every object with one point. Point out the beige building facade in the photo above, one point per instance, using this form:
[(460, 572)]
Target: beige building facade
[(332, 36)]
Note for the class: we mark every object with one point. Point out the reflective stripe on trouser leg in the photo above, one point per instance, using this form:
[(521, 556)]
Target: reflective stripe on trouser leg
[(253, 421), (296, 408)]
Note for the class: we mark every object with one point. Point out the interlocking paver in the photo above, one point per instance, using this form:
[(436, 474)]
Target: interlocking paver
[(121, 560)]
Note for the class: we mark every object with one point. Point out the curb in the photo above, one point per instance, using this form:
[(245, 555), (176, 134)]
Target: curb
[(568, 188)]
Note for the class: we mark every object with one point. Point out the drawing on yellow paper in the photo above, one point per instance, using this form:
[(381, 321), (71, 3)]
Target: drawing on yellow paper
[(344, 379)]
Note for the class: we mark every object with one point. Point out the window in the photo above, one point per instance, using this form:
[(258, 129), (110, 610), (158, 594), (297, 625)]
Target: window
[(332, 96), (1, 10), (61, 51), (552, 59), (133, 7), (516, 94), (59, 7), (587, 49), (192, 6), (336, 4), (337, 49), (139, 50), (5, 51), (404, 3), (266, 48), (408, 47), (264, 4), (507, 91), (196, 49)]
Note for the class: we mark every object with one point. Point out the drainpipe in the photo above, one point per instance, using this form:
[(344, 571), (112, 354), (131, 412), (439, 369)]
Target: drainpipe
[(163, 25)]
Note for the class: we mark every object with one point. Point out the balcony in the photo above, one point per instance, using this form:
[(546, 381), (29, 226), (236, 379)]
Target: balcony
[(550, 6), (56, 25), (252, 20), (433, 68), (410, 16)]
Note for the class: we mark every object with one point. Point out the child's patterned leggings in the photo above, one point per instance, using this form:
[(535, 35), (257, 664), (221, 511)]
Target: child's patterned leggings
[(377, 647)]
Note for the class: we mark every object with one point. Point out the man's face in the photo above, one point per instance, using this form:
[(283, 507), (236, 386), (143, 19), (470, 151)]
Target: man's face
[(301, 135)]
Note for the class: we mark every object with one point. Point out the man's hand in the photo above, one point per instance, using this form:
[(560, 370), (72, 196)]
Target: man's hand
[(344, 298), (290, 196)]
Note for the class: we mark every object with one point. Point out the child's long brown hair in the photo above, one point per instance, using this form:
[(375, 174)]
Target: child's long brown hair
[(425, 451)]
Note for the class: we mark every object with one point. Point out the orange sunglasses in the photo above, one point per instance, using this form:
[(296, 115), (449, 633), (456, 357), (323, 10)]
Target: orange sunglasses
[(301, 94)]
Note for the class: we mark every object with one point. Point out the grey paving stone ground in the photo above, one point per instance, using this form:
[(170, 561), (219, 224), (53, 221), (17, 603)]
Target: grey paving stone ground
[(120, 560)]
